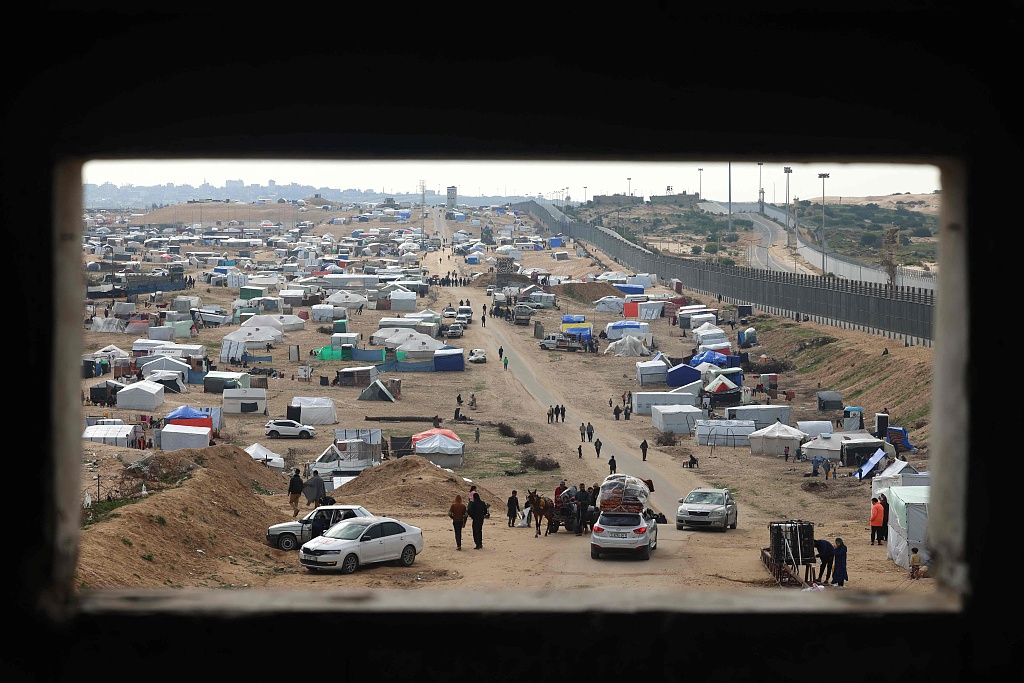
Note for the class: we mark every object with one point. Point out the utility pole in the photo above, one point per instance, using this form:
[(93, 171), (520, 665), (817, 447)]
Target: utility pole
[(822, 240), (787, 170)]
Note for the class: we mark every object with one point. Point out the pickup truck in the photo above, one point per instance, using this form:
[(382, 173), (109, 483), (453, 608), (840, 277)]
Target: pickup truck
[(561, 342), (521, 314)]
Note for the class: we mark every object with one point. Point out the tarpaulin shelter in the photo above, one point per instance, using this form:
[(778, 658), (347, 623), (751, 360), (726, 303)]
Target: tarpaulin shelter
[(313, 410), (908, 524), (191, 417), (264, 455), (436, 430), (675, 419), (714, 357), (175, 437), (773, 439), (449, 360), (143, 395), (376, 392)]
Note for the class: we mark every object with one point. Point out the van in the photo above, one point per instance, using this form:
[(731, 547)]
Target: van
[(466, 311)]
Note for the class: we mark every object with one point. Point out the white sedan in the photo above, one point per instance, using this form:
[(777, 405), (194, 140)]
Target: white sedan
[(362, 540)]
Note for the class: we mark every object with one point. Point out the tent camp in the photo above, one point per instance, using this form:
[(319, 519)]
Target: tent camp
[(675, 419), (171, 381), (724, 432), (899, 473), (908, 524), (773, 439), (644, 401), (143, 395), (265, 456), (245, 401), (652, 371), (151, 364), (813, 428), (376, 392), (442, 450), (284, 323), (681, 375), (621, 328), (175, 437), (830, 400), (851, 449), (313, 410), (216, 381), (628, 346), (449, 360), (419, 348)]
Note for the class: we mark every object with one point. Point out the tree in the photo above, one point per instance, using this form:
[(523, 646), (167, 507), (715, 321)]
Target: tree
[(696, 250)]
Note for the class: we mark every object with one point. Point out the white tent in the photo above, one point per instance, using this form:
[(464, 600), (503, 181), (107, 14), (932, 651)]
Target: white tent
[(283, 323), (815, 428), (773, 439), (265, 456), (152, 364), (908, 523), (255, 337), (724, 432), (322, 312), (245, 401), (315, 410), (762, 415), (441, 450), (174, 437), (644, 401), (346, 299), (899, 473), (628, 346), (115, 435), (652, 371), (420, 349), (407, 335), (171, 380), (403, 301), (381, 335), (675, 419), (144, 395)]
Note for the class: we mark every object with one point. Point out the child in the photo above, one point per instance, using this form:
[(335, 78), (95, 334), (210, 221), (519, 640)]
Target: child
[(915, 564)]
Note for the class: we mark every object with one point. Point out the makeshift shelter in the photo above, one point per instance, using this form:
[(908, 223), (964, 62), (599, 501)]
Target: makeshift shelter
[(171, 381), (762, 415), (382, 334), (628, 346), (724, 432), (418, 349), (174, 437), (899, 473), (675, 419), (105, 391), (652, 371), (152, 364), (362, 376), (815, 428), (644, 401), (413, 338), (216, 381), (773, 439), (621, 328), (436, 430), (313, 410), (245, 401), (830, 400), (712, 357), (449, 360), (376, 392), (908, 524), (284, 323), (123, 435), (346, 299), (681, 375), (192, 417), (143, 395), (610, 304), (441, 450), (265, 456)]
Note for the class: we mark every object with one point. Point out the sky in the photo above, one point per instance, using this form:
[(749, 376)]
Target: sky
[(555, 180)]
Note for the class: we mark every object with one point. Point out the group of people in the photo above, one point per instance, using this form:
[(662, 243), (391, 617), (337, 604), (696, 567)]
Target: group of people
[(556, 412), (475, 510), (833, 562)]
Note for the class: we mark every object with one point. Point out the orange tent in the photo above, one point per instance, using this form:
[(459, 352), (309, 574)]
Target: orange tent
[(447, 432)]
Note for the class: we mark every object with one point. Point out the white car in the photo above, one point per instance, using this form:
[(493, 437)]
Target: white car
[(362, 540), (447, 312), (624, 533), (278, 428), (477, 356), (705, 507), (293, 533), (454, 330)]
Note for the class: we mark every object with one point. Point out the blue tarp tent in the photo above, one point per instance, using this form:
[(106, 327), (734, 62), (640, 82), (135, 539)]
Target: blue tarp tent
[(584, 332), (866, 468), (185, 413), (899, 438), (574, 318), (630, 289), (473, 258), (449, 360), (555, 242), (681, 375), (709, 357)]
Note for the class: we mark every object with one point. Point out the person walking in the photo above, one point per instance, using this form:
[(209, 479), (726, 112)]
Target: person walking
[(839, 574), (617, 411), (643, 448), (476, 435), (513, 507), (590, 432), (827, 555), (477, 512), (551, 413), (785, 454), (457, 513), (294, 491), (877, 514), (597, 447), (314, 489), (582, 508), (611, 465), (884, 502), (827, 467), (505, 361), (579, 449), (583, 432), (561, 411)]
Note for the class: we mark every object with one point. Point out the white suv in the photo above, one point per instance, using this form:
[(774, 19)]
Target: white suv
[(624, 533), (278, 428)]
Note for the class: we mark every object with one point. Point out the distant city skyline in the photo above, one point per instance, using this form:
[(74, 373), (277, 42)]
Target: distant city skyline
[(554, 180)]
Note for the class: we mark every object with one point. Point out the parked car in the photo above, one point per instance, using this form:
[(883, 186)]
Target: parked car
[(624, 533), (490, 290), (291, 534), (447, 312), (363, 540), (462, 320), (477, 356), (279, 428), (703, 507), (453, 330)]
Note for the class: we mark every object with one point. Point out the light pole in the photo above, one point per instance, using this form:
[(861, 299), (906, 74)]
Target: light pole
[(760, 187), (629, 186), (584, 195), (700, 183), (787, 170), (730, 197), (822, 240)]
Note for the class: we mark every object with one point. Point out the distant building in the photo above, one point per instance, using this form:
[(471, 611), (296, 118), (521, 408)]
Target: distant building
[(453, 197), (617, 200), (676, 199)]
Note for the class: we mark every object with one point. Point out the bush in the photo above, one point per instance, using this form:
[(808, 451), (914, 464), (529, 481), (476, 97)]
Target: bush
[(506, 429), (666, 439), (523, 439), (544, 464)]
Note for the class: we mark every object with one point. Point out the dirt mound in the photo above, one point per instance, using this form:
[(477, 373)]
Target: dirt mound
[(409, 482)]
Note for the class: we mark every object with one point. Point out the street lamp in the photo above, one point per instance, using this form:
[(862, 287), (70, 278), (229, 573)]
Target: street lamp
[(760, 187), (700, 183), (822, 240), (629, 186), (787, 170), (584, 195)]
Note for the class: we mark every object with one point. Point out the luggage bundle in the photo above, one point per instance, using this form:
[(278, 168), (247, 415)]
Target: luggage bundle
[(621, 492)]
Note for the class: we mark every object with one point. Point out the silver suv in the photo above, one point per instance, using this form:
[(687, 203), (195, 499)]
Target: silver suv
[(708, 508), (624, 533)]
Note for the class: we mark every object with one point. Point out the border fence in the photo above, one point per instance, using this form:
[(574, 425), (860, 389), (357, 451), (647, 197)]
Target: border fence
[(897, 312)]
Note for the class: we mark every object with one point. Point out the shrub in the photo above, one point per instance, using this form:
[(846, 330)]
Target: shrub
[(506, 429), (523, 439), (666, 439), (544, 464)]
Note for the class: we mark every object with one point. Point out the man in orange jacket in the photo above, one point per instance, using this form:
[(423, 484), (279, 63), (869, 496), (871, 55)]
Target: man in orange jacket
[(877, 517)]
